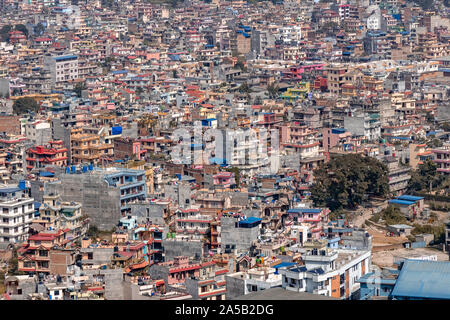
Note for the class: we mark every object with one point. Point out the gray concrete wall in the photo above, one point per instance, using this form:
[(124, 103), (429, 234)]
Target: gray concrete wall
[(235, 287), (100, 202), (158, 272), (241, 238), (148, 212), (173, 248), (192, 288), (355, 125), (179, 193)]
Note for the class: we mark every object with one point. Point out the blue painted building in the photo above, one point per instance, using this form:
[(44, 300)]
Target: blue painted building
[(131, 184), (376, 284)]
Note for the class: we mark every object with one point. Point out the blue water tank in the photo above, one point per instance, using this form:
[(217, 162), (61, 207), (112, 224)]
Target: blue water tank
[(73, 169), (22, 185), (116, 130), (85, 169), (91, 167), (67, 170)]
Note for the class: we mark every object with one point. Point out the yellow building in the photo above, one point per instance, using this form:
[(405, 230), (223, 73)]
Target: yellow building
[(85, 147)]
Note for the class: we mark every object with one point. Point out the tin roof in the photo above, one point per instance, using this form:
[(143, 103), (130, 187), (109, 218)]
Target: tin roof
[(423, 279)]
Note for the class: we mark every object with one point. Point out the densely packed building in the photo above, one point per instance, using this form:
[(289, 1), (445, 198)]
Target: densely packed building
[(156, 151)]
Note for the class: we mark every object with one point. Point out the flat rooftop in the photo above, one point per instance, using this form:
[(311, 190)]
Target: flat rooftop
[(282, 294)]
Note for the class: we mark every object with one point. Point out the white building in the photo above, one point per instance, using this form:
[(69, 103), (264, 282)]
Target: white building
[(252, 280), (290, 34), (328, 272), (374, 17), (16, 213), (63, 69)]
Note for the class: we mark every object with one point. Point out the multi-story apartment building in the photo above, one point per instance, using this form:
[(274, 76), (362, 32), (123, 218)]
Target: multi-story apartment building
[(38, 132), (41, 156), (105, 194), (441, 157), (328, 272), (16, 213), (46, 253), (191, 222), (56, 214), (335, 78), (367, 125), (398, 176), (63, 69), (87, 148)]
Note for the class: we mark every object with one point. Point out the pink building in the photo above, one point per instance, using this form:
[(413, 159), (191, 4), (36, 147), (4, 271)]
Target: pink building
[(335, 136), (315, 219), (224, 179), (177, 270)]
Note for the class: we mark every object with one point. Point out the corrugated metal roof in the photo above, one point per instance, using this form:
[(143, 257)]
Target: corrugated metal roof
[(409, 198), (423, 279), (402, 202)]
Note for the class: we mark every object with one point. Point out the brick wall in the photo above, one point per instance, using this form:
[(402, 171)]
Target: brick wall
[(10, 124)]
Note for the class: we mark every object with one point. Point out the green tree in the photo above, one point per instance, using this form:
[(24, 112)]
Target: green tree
[(272, 90), (344, 181), (392, 215), (257, 100), (434, 143), (22, 105), (237, 175), (425, 4), (39, 29), (4, 33), (93, 231), (22, 28), (425, 177), (446, 125), (79, 87), (244, 88)]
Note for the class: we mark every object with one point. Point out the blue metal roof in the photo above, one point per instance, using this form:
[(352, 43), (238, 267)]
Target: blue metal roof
[(46, 174), (217, 160), (62, 58), (250, 220), (404, 202), (9, 190), (409, 198), (423, 279)]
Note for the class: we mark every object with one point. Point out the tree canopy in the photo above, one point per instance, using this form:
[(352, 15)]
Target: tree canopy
[(344, 181), (22, 105), (79, 87), (424, 177)]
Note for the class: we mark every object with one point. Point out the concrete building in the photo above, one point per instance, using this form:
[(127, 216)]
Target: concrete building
[(38, 132), (328, 272), (105, 194), (441, 157), (238, 234), (253, 280), (398, 176), (62, 69), (366, 125), (16, 213)]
